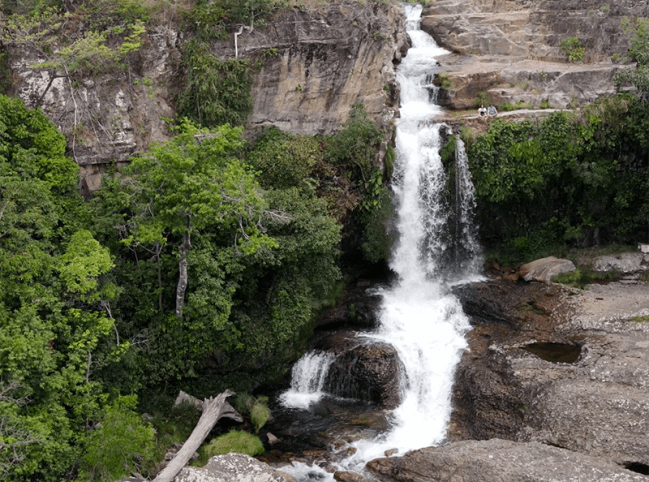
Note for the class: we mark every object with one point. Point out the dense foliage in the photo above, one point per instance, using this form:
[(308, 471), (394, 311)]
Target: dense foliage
[(54, 328), (572, 178), (200, 266)]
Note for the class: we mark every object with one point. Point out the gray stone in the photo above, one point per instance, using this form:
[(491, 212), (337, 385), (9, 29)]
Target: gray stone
[(499, 460), (545, 269), (232, 468), (623, 262)]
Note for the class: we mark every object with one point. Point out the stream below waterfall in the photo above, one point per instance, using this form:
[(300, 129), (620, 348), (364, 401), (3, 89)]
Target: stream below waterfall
[(418, 315)]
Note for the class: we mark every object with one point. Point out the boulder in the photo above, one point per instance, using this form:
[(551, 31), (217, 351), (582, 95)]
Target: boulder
[(368, 371), (623, 262), (232, 467), (545, 269), (345, 476), (498, 460)]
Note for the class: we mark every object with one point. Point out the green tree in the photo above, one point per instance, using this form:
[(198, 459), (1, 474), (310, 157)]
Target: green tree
[(53, 325), (639, 53), (191, 183)]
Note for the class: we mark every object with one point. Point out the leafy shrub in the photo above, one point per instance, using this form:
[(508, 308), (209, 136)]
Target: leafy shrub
[(357, 143), (545, 104), (215, 91), (283, 159), (585, 275), (234, 441), (444, 82), (481, 99), (505, 107), (377, 243), (573, 49), (259, 414), (118, 444)]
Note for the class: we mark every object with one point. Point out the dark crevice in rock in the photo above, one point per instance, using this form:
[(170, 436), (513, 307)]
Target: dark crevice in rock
[(637, 467), (555, 352)]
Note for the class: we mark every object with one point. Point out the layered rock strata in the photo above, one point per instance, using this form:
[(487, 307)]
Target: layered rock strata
[(316, 62), (511, 50)]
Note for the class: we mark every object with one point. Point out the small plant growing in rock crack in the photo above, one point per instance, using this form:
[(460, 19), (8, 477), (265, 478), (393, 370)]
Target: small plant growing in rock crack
[(444, 82), (573, 49)]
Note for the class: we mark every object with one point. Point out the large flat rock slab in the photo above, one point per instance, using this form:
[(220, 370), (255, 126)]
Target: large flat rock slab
[(511, 50), (499, 460)]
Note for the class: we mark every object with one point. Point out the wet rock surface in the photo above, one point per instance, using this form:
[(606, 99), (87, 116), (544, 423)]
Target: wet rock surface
[(491, 460), (369, 371), (564, 367)]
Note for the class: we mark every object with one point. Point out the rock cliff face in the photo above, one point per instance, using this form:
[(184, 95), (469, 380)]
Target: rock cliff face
[(327, 58), (324, 58), (511, 50), (108, 117)]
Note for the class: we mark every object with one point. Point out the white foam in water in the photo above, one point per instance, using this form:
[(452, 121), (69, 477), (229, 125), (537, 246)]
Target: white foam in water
[(418, 316), (307, 378)]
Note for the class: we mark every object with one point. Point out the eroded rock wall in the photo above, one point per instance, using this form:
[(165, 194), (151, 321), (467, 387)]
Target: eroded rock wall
[(564, 368), (327, 58), (106, 118), (320, 60)]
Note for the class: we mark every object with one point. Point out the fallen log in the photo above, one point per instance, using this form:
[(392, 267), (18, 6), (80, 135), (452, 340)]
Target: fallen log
[(214, 408)]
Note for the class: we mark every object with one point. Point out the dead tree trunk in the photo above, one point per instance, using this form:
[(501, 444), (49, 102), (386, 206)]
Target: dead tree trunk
[(182, 275), (213, 410)]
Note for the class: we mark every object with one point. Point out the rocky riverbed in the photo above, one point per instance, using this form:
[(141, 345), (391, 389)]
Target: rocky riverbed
[(553, 376)]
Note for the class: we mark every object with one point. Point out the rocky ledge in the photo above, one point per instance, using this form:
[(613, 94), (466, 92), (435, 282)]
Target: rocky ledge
[(559, 366), (501, 460), (511, 50)]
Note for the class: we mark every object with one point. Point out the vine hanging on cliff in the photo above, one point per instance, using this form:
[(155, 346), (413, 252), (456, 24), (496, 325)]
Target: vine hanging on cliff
[(215, 91)]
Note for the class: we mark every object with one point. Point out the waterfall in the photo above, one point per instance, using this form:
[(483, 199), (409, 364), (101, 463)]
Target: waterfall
[(307, 379), (419, 316), (467, 247)]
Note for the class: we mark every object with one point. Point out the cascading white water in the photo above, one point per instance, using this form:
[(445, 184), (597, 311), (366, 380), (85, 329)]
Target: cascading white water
[(307, 379), (468, 248), (419, 317)]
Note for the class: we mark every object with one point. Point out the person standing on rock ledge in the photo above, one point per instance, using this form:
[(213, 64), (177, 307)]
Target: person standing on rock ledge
[(491, 110), (482, 110)]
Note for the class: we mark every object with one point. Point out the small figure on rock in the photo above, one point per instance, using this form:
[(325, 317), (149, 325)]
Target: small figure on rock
[(491, 110), (482, 110)]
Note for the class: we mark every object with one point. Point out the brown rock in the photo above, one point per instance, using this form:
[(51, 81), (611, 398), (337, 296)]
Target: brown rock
[(545, 269), (572, 371), (344, 476)]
